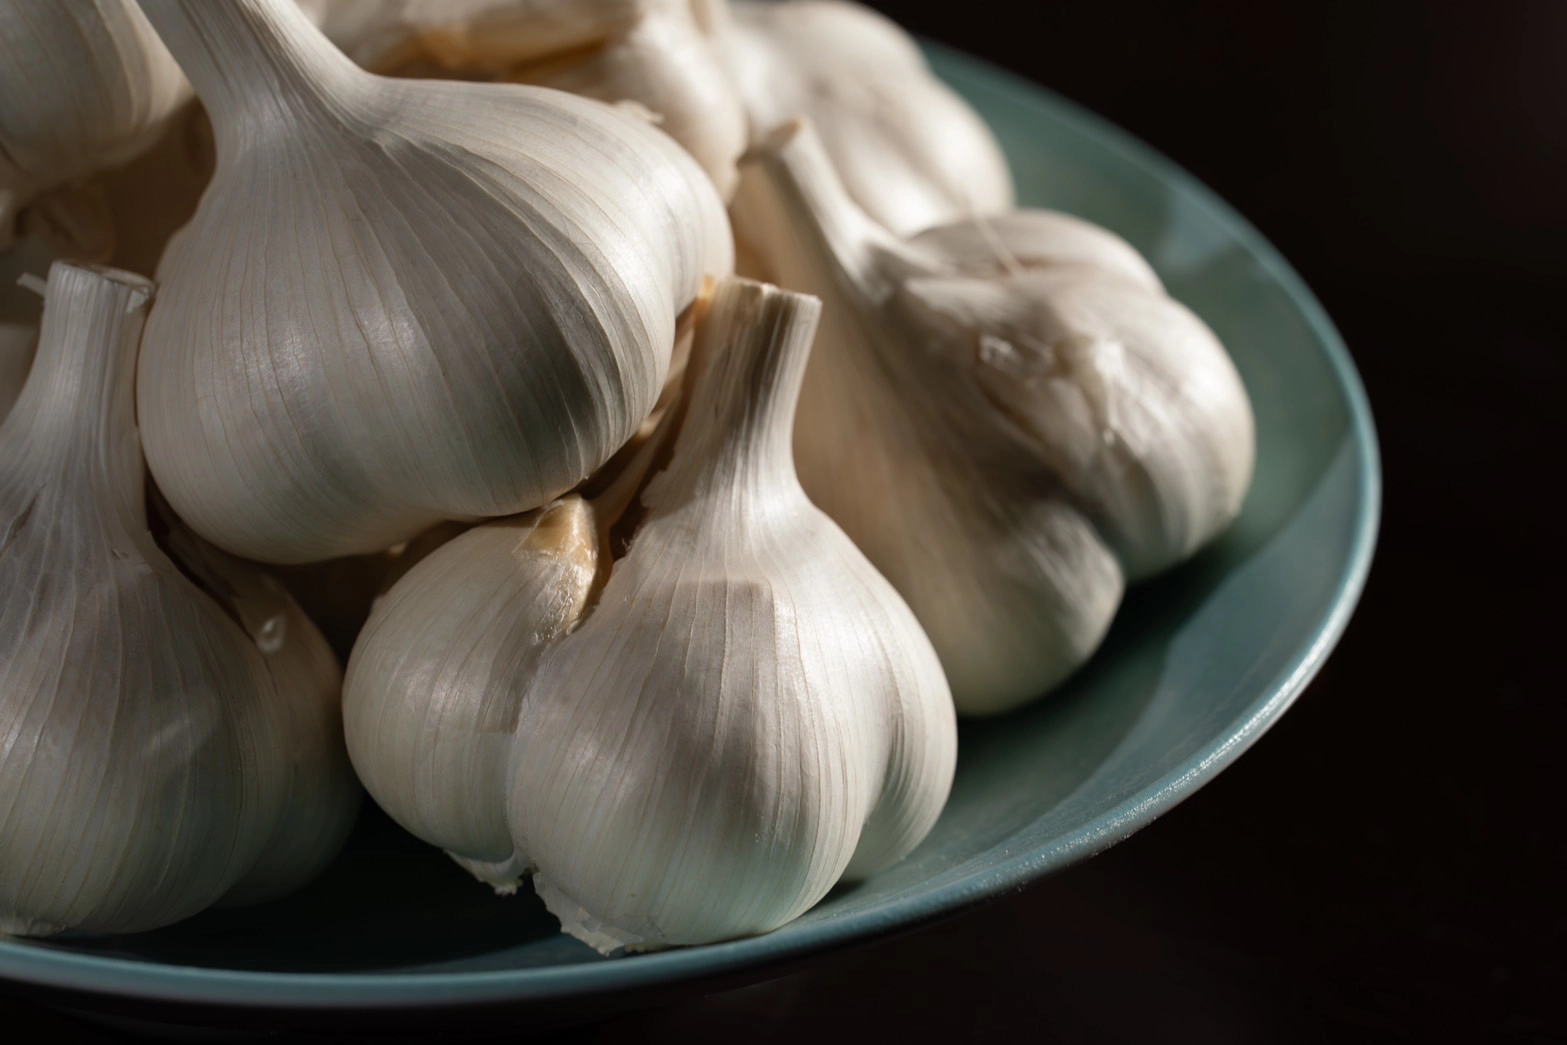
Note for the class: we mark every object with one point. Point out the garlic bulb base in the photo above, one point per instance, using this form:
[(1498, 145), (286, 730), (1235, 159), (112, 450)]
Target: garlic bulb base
[(577, 922), (504, 876), (28, 927)]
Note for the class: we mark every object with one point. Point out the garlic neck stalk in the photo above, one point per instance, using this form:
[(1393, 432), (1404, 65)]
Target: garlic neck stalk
[(253, 62), (908, 149), (739, 442), (76, 415)]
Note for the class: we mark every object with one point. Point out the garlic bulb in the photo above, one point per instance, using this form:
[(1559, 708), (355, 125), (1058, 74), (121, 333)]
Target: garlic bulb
[(165, 746), (403, 301), (1008, 415), (84, 85), (691, 743), (653, 53), (910, 152)]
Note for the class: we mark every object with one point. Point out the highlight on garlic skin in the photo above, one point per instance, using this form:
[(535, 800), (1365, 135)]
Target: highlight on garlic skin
[(170, 742), (688, 743), (403, 301), (654, 54), (908, 149), (1008, 415), (84, 85)]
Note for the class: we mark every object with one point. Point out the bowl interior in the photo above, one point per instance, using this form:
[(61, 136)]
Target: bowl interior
[(1198, 663)]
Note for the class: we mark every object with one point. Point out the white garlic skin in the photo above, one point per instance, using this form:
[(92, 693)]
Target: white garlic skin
[(653, 53), (1007, 414), (910, 152), (750, 712), (404, 301), (147, 756), (437, 676), (84, 85)]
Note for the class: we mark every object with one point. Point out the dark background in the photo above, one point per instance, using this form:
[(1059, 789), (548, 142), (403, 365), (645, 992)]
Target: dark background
[(1388, 862)]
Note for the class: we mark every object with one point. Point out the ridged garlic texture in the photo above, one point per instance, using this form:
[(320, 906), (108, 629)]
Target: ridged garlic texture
[(686, 742), (403, 301), (1008, 415), (910, 152), (651, 53), (84, 85), (168, 739)]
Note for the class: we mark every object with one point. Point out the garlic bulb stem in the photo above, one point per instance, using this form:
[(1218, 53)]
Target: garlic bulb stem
[(909, 150), (251, 60), (745, 372), (79, 408), (849, 246)]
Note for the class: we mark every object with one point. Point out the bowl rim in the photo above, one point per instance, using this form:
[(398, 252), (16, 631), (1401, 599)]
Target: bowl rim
[(29, 963)]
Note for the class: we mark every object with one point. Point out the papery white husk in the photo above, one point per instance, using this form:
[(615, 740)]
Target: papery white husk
[(151, 750), (404, 301), (1008, 415), (910, 151)]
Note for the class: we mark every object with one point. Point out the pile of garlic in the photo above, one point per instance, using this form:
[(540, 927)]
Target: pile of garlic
[(642, 595)]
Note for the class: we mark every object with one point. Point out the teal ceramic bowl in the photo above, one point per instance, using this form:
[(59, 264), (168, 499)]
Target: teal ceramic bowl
[(1198, 664)]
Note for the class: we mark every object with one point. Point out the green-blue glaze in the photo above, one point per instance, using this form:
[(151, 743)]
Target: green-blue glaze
[(1199, 663)]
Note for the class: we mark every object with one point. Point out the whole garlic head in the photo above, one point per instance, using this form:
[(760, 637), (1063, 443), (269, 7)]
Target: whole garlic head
[(710, 731), (404, 301), (1008, 415), (84, 85), (652, 53), (910, 152), (167, 745)]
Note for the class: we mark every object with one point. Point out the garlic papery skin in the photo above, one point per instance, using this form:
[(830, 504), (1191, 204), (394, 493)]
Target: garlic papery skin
[(653, 53), (436, 680), (1008, 415), (910, 152), (84, 85), (403, 301), (146, 751), (749, 712)]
